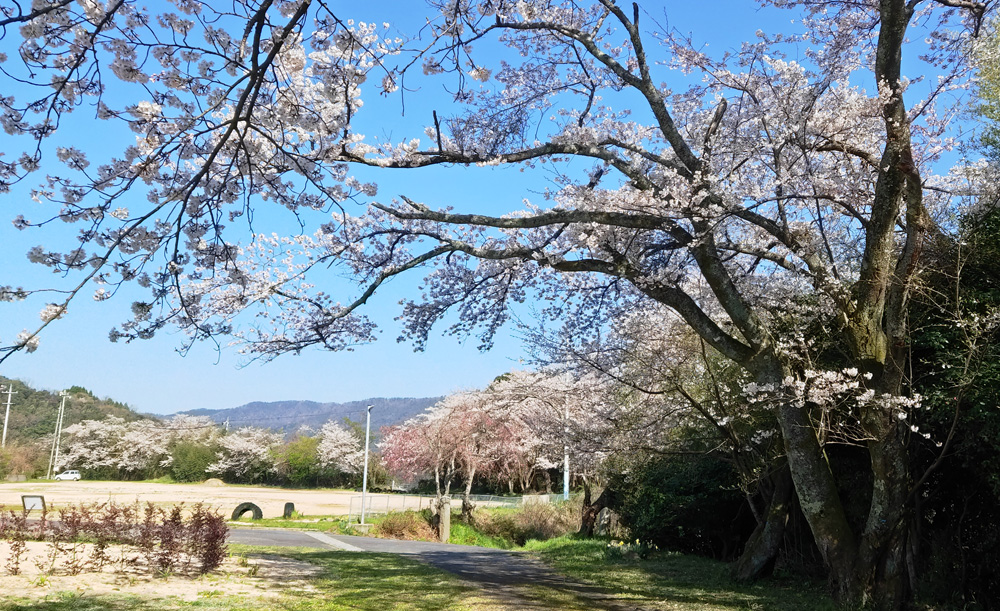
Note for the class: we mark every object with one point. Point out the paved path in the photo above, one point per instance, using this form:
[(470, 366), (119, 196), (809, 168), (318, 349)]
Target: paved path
[(480, 564), (500, 573)]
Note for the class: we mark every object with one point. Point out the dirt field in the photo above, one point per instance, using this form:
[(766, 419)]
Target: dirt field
[(226, 498), (260, 575)]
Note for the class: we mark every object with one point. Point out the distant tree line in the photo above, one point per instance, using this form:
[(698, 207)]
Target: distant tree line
[(192, 449)]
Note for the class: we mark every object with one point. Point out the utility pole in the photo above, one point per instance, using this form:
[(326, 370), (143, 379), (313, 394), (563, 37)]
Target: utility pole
[(566, 454), (54, 456), (10, 394), (364, 477)]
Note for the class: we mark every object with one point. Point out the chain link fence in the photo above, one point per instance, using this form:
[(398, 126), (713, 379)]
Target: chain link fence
[(380, 504)]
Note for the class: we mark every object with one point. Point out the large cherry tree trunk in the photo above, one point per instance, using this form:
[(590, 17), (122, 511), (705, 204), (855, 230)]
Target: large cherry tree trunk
[(762, 549), (868, 568)]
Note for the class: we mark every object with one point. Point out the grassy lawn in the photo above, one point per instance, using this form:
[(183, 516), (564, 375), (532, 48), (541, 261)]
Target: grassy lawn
[(383, 582), (463, 534), (334, 524), (674, 581)]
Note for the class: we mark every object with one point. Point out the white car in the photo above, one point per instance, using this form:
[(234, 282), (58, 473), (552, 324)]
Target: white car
[(71, 474)]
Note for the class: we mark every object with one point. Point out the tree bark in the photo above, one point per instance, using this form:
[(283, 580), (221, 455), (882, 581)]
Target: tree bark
[(588, 519), (444, 519), (882, 554), (467, 504), (762, 548), (816, 489)]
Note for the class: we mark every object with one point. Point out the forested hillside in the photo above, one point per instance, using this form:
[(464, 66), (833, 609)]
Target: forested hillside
[(33, 412), (289, 416)]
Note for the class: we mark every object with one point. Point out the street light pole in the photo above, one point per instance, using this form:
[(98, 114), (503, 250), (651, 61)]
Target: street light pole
[(10, 395), (364, 477)]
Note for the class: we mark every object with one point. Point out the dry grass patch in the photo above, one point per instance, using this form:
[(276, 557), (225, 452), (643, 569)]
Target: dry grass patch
[(407, 525)]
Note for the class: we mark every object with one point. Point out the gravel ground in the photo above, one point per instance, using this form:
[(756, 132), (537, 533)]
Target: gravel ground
[(270, 500)]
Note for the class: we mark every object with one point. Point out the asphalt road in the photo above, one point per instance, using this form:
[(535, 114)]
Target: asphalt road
[(496, 571), (480, 564)]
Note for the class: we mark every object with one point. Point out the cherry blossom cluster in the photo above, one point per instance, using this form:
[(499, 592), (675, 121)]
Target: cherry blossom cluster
[(130, 447)]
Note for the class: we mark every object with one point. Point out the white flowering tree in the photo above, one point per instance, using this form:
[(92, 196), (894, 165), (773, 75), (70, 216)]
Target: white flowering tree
[(805, 159), (193, 429), (91, 444), (247, 455), (339, 449), (558, 416), (140, 448), (668, 392), (126, 449)]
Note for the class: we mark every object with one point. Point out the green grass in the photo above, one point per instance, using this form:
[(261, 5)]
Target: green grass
[(334, 524), (463, 534), (678, 581)]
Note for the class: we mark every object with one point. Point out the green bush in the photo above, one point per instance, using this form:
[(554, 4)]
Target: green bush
[(298, 462), (190, 461), (683, 503), (956, 370)]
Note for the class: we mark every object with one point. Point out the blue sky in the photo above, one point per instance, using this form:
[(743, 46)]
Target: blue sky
[(152, 377)]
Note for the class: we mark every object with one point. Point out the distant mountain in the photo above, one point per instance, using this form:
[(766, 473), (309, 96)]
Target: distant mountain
[(289, 416), (33, 412)]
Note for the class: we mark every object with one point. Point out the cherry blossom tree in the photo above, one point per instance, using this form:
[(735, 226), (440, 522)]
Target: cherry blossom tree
[(464, 436), (429, 444), (339, 449), (194, 429), (91, 444), (130, 449), (671, 393), (247, 454), (806, 160), (521, 426), (554, 417)]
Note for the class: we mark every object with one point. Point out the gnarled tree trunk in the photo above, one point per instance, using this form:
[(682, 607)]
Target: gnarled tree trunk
[(588, 519), (762, 548), (467, 505)]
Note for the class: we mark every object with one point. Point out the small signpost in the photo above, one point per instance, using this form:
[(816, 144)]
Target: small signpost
[(33, 501)]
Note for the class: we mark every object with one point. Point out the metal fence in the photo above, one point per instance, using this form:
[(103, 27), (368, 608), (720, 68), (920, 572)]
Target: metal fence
[(378, 504)]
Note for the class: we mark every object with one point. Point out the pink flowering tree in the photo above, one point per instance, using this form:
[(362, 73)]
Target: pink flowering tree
[(808, 160), (429, 444), (460, 438)]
